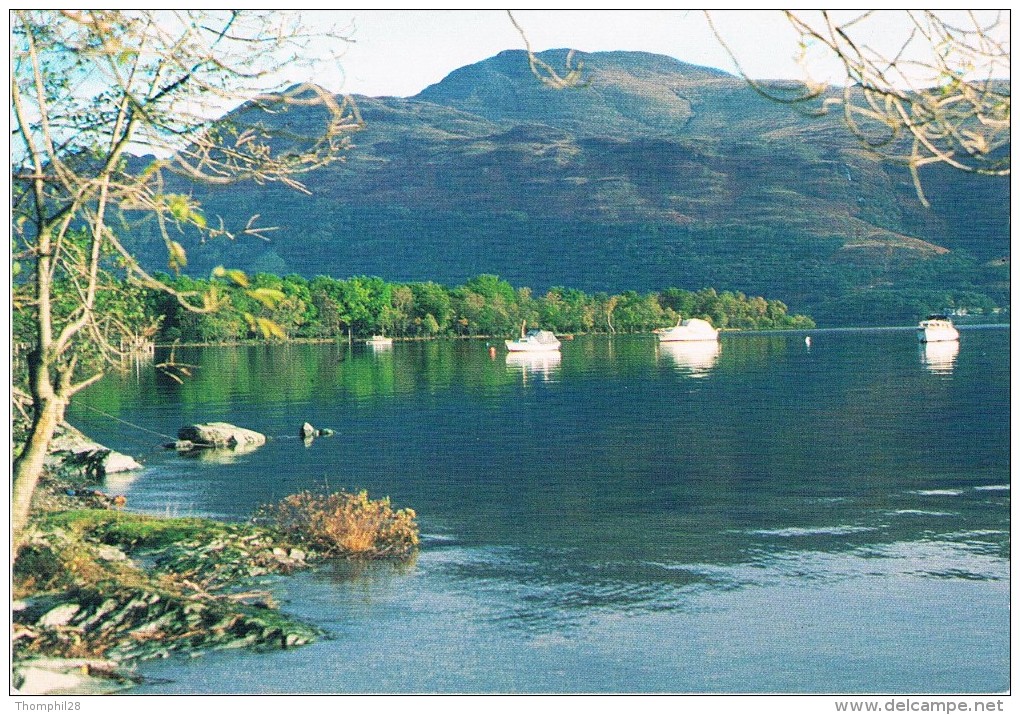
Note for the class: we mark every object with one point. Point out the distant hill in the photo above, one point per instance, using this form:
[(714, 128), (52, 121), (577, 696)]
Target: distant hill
[(653, 173)]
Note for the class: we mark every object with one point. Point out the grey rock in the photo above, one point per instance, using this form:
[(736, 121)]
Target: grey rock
[(221, 435), (308, 431), (110, 553), (59, 616), (114, 462)]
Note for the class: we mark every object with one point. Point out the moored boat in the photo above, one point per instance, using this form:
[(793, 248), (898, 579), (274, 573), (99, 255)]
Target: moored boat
[(692, 329), (937, 328), (533, 341), (379, 341)]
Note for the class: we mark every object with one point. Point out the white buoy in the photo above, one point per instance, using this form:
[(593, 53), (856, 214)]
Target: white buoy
[(807, 341)]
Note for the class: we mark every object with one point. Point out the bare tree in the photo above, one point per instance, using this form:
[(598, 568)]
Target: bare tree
[(939, 95), (89, 89)]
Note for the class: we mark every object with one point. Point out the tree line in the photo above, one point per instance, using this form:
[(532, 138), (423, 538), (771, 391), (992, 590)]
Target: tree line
[(292, 306)]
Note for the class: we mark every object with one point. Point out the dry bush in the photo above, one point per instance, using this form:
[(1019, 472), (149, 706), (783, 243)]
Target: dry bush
[(346, 524)]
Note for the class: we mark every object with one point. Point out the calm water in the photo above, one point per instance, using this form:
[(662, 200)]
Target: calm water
[(769, 517)]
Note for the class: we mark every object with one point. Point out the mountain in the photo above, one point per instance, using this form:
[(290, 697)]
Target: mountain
[(652, 173)]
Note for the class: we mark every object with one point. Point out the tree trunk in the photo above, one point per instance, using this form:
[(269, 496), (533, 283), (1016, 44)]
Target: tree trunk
[(48, 407), (28, 467)]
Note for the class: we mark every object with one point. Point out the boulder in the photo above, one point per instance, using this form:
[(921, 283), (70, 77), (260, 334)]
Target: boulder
[(221, 435), (307, 431), (102, 461), (70, 676), (59, 616), (115, 462)]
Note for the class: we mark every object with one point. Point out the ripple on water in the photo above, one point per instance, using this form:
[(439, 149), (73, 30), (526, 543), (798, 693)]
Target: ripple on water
[(797, 531)]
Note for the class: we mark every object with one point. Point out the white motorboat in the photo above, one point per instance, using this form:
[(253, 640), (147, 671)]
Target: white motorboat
[(534, 341), (379, 341), (688, 330), (937, 328)]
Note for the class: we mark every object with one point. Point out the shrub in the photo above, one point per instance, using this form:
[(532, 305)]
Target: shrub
[(346, 524)]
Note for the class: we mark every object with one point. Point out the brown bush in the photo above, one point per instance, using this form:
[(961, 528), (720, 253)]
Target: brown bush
[(346, 524)]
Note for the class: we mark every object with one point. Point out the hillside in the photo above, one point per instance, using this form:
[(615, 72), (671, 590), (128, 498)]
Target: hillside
[(654, 173)]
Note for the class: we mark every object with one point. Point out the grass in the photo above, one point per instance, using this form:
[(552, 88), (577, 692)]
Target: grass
[(132, 530)]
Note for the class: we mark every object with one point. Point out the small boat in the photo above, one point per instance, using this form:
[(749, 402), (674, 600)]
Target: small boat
[(379, 341), (534, 341), (937, 328), (688, 330)]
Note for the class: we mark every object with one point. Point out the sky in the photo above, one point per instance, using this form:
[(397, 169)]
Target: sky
[(400, 52)]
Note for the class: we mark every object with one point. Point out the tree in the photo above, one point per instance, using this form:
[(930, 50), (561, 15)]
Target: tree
[(939, 95), (89, 91)]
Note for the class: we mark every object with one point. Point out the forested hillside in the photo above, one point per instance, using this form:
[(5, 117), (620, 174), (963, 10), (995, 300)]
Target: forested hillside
[(651, 174)]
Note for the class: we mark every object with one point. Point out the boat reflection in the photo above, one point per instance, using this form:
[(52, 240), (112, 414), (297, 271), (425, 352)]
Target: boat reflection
[(543, 365), (939, 357), (695, 358)]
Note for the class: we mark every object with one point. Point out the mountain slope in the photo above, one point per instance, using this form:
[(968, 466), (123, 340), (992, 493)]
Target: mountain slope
[(653, 173)]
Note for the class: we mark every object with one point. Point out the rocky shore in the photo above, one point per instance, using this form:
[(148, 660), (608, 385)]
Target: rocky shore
[(98, 590)]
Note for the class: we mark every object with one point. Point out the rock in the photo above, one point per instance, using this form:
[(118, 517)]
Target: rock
[(114, 462), (70, 440), (221, 435), (102, 461), (181, 445), (110, 553), (33, 680), (59, 616), (71, 676), (298, 554), (308, 432)]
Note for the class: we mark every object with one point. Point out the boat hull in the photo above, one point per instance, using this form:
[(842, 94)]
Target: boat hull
[(688, 338), (694, 330), (937, 335), (536, 341), (516, 346)]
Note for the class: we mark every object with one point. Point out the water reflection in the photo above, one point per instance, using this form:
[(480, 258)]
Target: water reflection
[(543, 365), (220, 455), (939, 357), (696, 358), (761, 498)]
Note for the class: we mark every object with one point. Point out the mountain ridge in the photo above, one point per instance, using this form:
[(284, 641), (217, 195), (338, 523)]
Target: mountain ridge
[(652, 173)]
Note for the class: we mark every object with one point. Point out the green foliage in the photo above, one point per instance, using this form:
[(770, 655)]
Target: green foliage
[(292, 307), (126, 529)]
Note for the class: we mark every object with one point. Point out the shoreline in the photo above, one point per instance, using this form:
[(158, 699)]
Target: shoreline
[(97, 590), (426, 339)]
